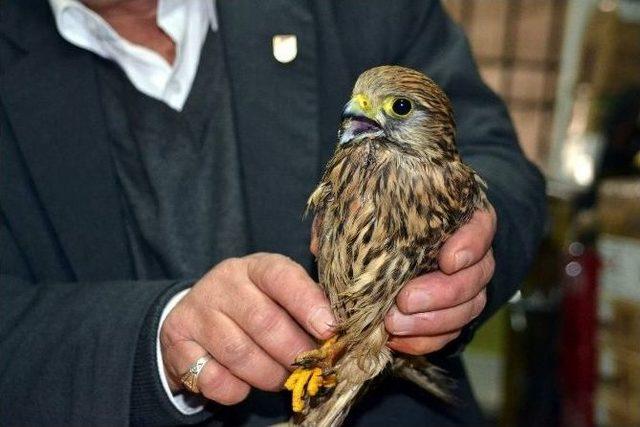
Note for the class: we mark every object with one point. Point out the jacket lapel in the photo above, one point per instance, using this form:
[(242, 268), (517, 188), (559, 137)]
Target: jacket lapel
[(276, 107), (51, 99)]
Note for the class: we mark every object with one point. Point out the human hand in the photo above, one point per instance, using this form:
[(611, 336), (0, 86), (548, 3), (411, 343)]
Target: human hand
[(432, 309), (253, 315)]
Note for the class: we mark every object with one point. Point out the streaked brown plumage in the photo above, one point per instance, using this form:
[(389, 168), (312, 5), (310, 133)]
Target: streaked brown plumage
[(393, 192)]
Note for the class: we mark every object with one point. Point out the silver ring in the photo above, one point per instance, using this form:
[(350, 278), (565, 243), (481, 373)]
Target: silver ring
[(190, 378)]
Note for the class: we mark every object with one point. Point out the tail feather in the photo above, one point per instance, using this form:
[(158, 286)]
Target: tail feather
[(427, 376), (354, 374), (333, 411)]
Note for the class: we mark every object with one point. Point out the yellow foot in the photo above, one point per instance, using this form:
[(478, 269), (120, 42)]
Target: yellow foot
[(314, 375), (307, 383)]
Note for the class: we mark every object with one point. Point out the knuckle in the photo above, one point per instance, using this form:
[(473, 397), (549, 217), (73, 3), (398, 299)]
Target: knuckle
[(489, 269), (451, 337), (482, 275), (441, 341), (482, 298), (174, 329), (227, 393), (257, 255), (492, 260), (491, 264), (277, 259), (214, 382), (477, 305), (237, 395), (170, 336), (276, 269), (452, 292), (480, 303), (237, 351), (264, 319), (228, 267), (430, 321), (494, 217)]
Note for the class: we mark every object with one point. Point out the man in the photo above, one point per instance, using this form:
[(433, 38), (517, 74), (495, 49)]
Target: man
[(143, 142)]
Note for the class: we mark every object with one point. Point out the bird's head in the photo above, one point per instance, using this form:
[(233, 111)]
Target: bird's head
[(402, 105)]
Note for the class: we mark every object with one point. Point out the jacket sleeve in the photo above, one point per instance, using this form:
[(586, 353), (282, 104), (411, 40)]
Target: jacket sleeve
[(419, 34), (76, 353), (71, 352)]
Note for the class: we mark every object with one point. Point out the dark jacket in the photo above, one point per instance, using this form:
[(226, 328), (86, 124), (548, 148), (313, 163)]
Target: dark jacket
[(76, 331)]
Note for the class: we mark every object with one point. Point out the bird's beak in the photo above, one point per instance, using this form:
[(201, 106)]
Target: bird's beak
[(359, 106), (358, 118)]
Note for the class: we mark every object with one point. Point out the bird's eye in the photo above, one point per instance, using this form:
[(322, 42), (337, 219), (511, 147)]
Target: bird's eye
[(401, 106)]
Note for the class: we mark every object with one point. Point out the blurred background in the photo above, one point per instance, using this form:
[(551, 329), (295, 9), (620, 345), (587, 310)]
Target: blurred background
[(567, 353)]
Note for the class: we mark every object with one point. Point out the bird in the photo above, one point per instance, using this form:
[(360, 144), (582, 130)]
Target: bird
[(394, 190)]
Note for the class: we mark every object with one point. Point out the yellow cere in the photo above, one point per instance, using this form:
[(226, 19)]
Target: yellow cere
[(364, 103)]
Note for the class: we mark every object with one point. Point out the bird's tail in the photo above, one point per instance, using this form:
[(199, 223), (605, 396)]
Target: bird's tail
[(426, 375), (354, 374), (332, 411)]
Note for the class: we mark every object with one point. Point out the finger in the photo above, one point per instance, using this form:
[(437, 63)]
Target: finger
[(435, 322), (217, 383), (214, 381), (268, 325), (436, 290), (418, 346), (288, 284), (469, 244), (232, 348)]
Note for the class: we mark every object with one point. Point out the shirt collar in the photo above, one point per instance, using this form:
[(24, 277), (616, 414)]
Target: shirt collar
[(77, 15), (186, 22)]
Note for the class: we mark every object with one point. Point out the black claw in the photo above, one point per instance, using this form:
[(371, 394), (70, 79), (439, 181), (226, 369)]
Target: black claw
[(306, 363), (324, 391)]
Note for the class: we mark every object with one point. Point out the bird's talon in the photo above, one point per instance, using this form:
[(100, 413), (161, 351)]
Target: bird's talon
[(315, 382), (296, 384), (306, 383), (314, 376)]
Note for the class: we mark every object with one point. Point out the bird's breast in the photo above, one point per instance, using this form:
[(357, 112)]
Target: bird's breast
[(380, 196)]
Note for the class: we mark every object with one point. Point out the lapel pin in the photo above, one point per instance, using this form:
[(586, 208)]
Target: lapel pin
[(285, 47)]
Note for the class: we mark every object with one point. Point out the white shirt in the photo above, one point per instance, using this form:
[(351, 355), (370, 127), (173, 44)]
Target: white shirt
[(186, 22)]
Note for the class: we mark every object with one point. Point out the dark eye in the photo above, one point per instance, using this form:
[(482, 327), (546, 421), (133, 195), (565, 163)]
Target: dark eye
[(401, 106)]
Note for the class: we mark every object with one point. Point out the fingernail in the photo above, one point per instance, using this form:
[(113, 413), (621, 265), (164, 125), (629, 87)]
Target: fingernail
[(321, 321), (400, 324), (462, 259), (418, 300)]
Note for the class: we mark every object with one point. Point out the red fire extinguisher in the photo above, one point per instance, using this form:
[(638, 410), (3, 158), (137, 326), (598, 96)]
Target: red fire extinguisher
[(577, 352)]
